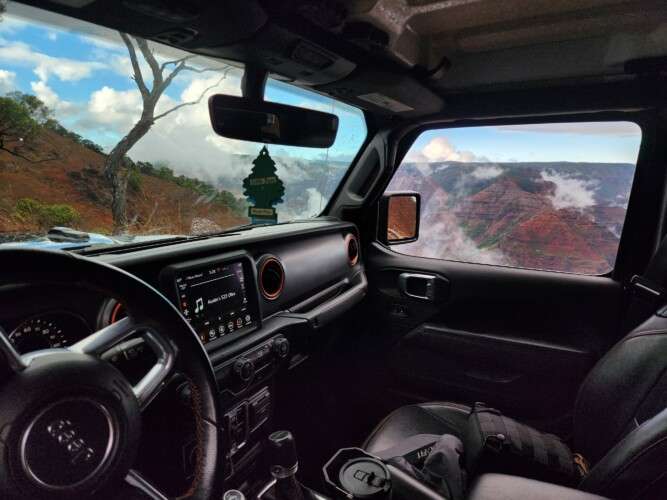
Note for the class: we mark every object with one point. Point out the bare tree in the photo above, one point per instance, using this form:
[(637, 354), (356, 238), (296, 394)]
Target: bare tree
[(162, 76)]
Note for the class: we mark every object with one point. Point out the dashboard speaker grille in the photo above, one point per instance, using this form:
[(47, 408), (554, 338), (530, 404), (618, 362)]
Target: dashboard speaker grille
[(271, 277)]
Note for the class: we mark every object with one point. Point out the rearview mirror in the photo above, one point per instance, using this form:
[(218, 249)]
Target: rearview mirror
[(270, 122), (399, 217)]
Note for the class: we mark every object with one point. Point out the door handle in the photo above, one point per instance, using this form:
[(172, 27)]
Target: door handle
[(417, 286)]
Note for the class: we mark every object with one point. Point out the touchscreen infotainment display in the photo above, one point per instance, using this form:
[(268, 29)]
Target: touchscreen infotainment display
[(214, 299)]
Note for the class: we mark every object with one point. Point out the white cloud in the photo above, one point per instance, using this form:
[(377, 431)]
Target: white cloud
[(122, 65), (580, 128), (570, 192), (45, 94), (11, 24), (315, 204), (486, 172), (440, 149), (311, 206), (107, 40), (116, 108), (44, 66), (50, 98), (7, 81)]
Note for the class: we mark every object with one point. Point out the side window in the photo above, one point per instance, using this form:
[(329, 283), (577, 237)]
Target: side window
[(542, 196)]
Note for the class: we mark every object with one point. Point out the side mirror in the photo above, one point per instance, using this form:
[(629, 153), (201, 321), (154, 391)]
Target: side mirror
[(399, 217), (271, 123)]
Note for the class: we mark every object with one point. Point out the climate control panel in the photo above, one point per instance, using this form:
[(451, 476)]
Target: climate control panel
[(253, 366)]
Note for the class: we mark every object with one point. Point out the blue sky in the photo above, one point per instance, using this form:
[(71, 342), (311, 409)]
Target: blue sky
[(575, 142)]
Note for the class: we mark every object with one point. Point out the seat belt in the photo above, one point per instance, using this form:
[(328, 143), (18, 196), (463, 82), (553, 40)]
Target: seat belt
[(647, 291)]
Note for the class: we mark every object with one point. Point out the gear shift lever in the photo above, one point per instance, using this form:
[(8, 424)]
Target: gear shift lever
[(284, 464)]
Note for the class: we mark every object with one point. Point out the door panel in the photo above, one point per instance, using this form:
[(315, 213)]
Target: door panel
[(517, 339)]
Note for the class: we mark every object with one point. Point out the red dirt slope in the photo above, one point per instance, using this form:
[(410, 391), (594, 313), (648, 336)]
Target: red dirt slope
[(76, 179)]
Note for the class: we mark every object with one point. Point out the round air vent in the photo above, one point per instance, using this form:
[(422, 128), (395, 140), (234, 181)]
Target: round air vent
[(271, 277), (352, 246)]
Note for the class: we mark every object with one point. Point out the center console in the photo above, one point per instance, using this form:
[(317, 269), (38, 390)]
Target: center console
[(257, 312), (220, 299)]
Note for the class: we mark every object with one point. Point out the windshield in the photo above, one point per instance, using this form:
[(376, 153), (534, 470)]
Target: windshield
[(108, 134)]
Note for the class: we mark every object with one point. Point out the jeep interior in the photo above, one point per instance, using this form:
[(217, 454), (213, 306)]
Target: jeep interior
[(333, 249)]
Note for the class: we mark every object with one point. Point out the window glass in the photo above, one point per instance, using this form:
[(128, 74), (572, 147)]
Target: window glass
[(542, 196), (109, 134)]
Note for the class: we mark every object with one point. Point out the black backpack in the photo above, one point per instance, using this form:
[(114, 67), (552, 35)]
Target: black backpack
[(495, 443)]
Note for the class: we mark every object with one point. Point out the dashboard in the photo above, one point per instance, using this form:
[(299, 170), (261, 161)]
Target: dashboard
[(223, 289), (258, 301)]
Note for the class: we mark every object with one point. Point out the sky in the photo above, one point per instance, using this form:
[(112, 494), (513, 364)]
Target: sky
[(605, 142)]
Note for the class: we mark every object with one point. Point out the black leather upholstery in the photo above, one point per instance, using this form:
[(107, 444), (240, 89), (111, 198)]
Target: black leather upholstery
[(625, 388), (619, 423), (635, 467), (426, 418), (504, 487)]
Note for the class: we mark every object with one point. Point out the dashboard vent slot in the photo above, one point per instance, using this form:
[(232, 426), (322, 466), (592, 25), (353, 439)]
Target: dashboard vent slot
[(271, 277), (352, 246)]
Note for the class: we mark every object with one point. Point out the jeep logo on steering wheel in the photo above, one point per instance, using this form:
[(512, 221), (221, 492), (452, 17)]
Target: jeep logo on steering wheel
[(66, 435)]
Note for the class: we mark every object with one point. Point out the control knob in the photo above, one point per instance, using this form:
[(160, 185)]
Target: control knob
[(244, 369), (281, 347)]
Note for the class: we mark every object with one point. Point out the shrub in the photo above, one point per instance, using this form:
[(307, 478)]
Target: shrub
[(134, 180), (57, 215), (27, 208), (46, 216), (90, 171)]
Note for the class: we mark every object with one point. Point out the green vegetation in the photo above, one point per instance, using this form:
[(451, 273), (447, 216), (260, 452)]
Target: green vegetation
[(161, 170), (45, 215), (18, 125), (23, 115), (59, 129), (36, 109), (134, 180)]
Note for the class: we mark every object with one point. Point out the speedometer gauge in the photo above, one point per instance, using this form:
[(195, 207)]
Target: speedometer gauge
[(38, 333), (46, 331)]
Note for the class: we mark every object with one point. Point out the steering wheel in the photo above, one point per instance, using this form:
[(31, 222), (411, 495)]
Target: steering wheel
[(70, 423)]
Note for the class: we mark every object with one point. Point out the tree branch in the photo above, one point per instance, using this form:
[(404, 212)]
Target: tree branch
[(138, 77), (23, 157), (176, 61), (150, 59), (204, 70), (190, 103), (184, 67), (171, 76)]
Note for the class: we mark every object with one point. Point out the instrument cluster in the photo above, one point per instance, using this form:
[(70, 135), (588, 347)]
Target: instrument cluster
[(60, 327), (49, 330)]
